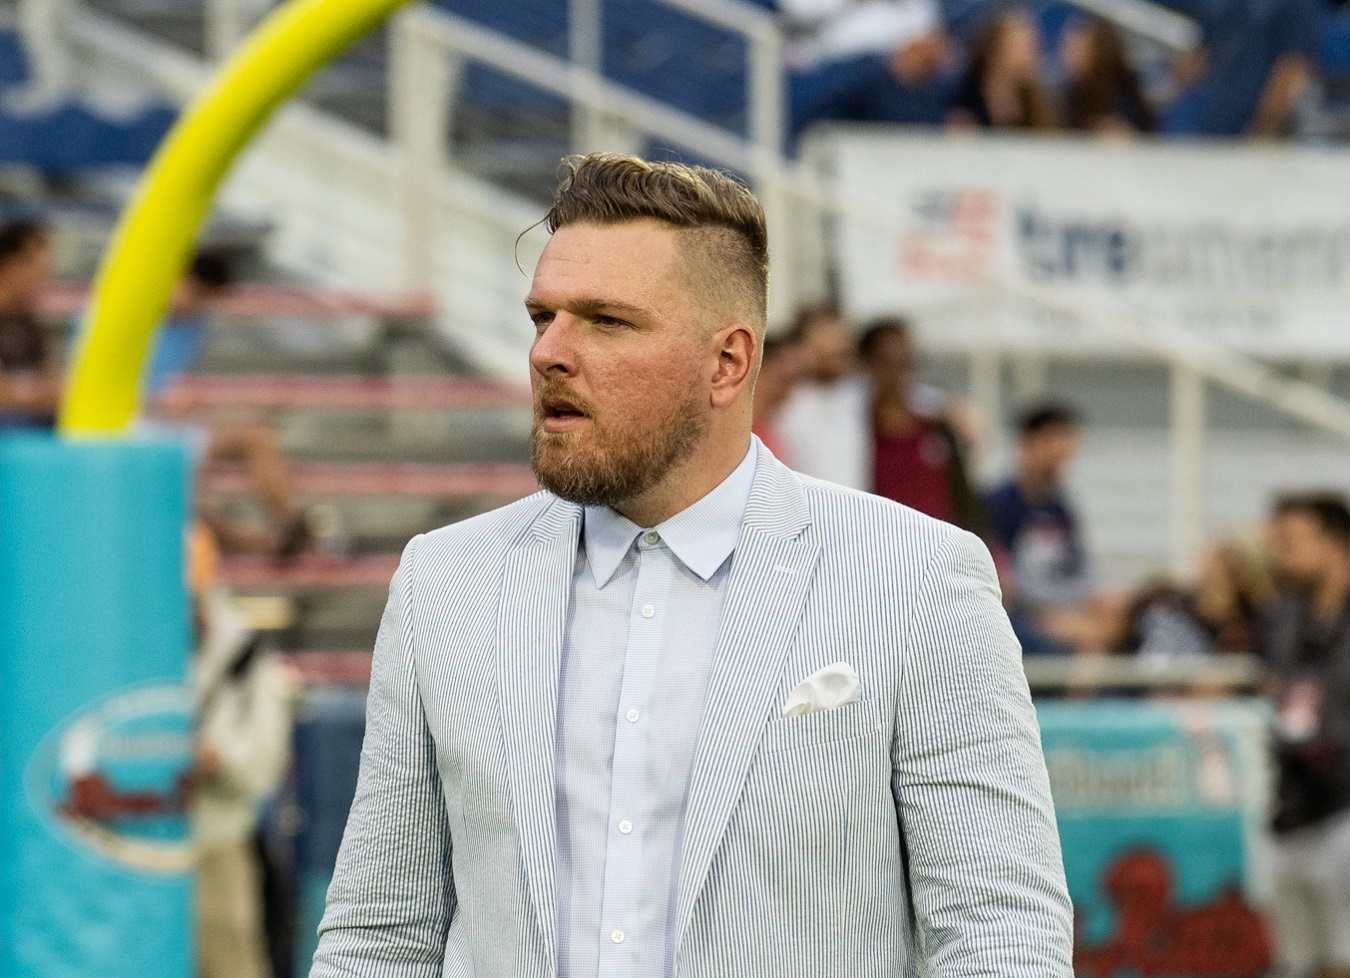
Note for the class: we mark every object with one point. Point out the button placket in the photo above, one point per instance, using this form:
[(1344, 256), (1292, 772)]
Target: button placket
[(623, 872)]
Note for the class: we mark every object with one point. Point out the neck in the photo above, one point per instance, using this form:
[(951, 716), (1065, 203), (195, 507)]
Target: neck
[(1036, 485), (1331, 593), (705, 468), (890, 412)]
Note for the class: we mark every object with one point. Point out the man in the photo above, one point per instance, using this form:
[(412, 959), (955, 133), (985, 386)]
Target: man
[(30, 378), (823, 424), (916, 457), (590, 749), (253, 442), (242, 700), (1307, 648), (781, 365), (1054, 601), (1256, 66)]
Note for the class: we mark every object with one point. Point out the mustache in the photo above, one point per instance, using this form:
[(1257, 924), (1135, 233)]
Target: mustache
[(554, 396)]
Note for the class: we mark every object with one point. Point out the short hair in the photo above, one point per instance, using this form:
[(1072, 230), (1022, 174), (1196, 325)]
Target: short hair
[(775, 344), (213, 268), (880, 328), (1042, 417), (611, 188), (1327, 509), (15, 236)]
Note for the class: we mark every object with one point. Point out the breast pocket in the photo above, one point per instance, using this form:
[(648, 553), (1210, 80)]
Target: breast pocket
[(823, 727)]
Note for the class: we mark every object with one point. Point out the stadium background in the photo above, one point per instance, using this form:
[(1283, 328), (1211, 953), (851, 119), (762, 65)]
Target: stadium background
[(1185, 291)]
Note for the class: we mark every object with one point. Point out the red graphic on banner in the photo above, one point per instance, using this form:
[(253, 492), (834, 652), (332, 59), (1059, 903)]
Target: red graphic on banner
[(954, 236), (1152, 937), (93, 797)]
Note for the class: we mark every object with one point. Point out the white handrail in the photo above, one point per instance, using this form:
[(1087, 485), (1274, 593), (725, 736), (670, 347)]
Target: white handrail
[(1220, 364), (1148, 19), (463, 38)]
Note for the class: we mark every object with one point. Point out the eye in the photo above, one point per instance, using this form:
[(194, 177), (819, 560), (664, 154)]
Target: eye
[(610, 322), (541, 320)]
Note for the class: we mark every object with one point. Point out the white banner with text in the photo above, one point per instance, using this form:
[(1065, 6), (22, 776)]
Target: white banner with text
[(1245, 244)]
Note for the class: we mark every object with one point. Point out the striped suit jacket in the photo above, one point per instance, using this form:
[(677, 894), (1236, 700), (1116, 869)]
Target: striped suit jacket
[(908, 833)]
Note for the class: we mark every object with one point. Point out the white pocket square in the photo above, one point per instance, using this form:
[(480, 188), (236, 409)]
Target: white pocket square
[(834, 686)]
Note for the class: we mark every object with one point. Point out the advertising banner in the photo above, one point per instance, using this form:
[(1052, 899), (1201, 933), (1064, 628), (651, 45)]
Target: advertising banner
[(1161, 812), (1249, 246), (95, 727)]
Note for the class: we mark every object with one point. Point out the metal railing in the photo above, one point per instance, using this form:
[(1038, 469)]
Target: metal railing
[(429, 45), (426, 42)]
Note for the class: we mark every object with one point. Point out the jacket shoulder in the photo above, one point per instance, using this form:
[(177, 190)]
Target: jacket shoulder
[(488, 534), (862, 523)]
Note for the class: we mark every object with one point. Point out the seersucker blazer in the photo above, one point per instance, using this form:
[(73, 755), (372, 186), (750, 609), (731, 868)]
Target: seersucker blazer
[(909, 833)]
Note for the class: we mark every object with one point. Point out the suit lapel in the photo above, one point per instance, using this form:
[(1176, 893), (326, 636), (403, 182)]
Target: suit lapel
[(531, 621), (770, 576)]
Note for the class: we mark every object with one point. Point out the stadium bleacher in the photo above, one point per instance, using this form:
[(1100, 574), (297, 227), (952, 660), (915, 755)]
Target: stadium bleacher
[(393, 429)]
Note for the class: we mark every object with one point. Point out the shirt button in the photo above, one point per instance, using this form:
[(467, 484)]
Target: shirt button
[(633, 716), (652, 539), (617, 937), (648, 611), (625, 827)]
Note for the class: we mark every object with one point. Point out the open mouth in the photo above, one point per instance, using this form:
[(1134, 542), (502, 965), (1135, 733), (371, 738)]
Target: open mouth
[(560, 413), (558, 408)]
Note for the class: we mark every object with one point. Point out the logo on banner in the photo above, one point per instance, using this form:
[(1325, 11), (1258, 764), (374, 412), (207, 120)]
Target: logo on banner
[(116, 778), (952, 236), (1155, 933)]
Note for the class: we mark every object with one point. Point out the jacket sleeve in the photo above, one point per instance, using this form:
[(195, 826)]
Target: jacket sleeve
[(970, 783), (392, 897)]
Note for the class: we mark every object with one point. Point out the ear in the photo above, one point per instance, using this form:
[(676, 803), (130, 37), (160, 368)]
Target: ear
[(734, 349)]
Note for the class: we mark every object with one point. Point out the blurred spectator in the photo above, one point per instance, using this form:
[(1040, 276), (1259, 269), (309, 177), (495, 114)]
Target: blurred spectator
[(1002, 87), (242, 698), (1255, 65), (823, 427), (1221, 614), (868, 62), (916, 457), (181, 339), (1102, 94), (30, 378), (1307, 649), (837, 30), (248, 441), (781, 367), (1053, 601)]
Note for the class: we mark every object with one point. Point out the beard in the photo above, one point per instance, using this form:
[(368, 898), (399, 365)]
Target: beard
[(599, 466)]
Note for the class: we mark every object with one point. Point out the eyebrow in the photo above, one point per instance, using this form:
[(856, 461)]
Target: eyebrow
[(589, 305)]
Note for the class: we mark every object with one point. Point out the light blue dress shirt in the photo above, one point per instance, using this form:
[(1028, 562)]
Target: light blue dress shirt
[(642, 627)]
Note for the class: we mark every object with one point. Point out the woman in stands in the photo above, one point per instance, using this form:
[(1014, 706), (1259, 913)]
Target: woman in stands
[(1002, 88), (1102, 93)]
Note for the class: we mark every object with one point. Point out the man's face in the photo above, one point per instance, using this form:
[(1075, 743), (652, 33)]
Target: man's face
[(891, 363), (621, 365), (829, 348), (27, 275), (1301, 552), (1046, 454)]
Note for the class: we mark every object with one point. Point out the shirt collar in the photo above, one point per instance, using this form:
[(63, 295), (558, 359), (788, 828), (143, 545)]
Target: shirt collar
[(702, 536)]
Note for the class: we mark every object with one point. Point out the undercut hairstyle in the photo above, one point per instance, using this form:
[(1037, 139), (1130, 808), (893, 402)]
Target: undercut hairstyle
[(1327, 509), (1043, 417), (18, 235), (727, 244), (880, 328)]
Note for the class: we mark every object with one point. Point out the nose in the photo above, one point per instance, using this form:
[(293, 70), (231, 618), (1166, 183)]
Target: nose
[(553, 351)]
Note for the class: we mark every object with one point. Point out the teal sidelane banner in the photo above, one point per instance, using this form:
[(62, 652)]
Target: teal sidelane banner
[(1161, 809), (95, 736)]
